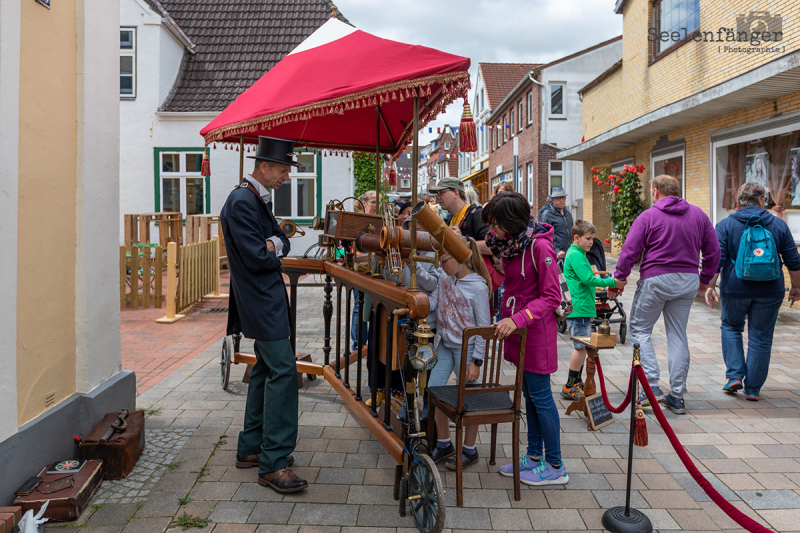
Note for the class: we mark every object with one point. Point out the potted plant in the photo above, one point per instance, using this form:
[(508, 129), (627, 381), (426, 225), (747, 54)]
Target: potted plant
[(622, 192)]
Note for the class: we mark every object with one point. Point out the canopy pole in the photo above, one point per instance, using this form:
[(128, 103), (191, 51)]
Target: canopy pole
[(378, 154), (412, 286), (241, 158)]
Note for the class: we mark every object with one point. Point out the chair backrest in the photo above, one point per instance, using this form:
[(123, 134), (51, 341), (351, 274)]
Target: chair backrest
[(489, 377)]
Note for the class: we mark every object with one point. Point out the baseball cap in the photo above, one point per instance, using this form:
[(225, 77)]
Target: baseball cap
[(448, 183)]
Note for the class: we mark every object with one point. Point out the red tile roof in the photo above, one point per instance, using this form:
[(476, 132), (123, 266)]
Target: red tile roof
[(501, 78), (236, 42)]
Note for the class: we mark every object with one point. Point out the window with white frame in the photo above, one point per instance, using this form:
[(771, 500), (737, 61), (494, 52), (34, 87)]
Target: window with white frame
[(616, 166), (499, 136), (557, 107), (555, 176), (405, 183), (530, 183), (521, 116), (447, 145), (127, 62), (511, 121), (505, 128), (530, 107), (182, 188), (297, 197), (520, 178)]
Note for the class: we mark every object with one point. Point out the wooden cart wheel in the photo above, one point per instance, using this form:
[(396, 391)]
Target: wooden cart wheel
[(425, 486), (225, 361)]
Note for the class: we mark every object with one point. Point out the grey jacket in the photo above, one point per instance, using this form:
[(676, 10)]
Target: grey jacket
[(562, 225), (427, 281), (461, 304)]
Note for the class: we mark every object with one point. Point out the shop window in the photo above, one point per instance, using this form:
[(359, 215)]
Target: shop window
[(297, 197), (179, 186), (127, 62), (770, 158), (670, 164)]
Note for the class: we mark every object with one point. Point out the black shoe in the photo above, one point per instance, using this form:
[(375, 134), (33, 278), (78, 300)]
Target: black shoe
[(439, 454), (251, 461), (466, 460), (282, 481)]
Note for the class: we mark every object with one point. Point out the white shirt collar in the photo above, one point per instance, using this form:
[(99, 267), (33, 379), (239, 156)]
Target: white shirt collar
[(263, 192)]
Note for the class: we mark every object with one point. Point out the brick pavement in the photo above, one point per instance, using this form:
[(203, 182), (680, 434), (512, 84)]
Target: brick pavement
[(749, 451)]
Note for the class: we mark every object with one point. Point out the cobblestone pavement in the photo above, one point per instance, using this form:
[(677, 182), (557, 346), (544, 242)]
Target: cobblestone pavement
[(749, 451)]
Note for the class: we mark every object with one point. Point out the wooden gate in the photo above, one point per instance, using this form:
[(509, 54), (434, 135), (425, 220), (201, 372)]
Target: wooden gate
[(141, 278)]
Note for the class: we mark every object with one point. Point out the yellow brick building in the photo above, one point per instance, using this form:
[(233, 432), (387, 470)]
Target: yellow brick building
[(707, 91)]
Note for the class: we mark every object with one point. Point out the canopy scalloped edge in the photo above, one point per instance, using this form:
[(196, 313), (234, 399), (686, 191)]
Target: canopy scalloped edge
[(459, 84)]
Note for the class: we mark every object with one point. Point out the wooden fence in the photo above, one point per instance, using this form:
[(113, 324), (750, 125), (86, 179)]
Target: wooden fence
[(192, 275), (200, 228), (143, 274)]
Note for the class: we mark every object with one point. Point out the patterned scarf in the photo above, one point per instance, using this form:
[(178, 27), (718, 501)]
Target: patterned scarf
[(509, 246)]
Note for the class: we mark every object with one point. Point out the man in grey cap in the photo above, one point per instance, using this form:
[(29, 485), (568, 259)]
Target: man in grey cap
[(464, 218), (557, 215)]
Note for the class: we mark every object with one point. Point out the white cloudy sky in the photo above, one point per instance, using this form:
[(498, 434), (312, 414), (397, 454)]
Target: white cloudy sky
[(514, 31)]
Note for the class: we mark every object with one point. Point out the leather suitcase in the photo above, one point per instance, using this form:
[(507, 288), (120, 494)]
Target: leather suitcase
[(116, 441), (68, 493)]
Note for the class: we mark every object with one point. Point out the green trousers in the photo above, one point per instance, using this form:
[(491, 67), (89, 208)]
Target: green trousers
[(270, 417)]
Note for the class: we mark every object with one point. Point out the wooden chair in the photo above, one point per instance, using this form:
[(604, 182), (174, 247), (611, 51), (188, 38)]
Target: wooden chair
[(487, 403)]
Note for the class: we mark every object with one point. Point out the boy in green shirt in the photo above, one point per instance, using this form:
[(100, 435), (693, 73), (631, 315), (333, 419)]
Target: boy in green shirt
[(581, 282)]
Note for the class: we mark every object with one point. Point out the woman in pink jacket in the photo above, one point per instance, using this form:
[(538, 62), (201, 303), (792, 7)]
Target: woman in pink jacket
[(531, 296)]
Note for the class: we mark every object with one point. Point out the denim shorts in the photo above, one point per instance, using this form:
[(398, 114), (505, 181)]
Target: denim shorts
[(579, 327)]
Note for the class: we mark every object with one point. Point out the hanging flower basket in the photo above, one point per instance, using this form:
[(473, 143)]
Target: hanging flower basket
[(623, 194)]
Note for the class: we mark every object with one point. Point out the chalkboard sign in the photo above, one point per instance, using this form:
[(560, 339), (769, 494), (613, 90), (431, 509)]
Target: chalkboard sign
[(599, 415)]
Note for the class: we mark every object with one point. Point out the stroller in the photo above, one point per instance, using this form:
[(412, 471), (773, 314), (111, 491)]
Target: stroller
[(606, 307)]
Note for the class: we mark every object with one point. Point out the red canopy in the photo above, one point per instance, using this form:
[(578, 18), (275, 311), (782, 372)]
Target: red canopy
[(324, 94)]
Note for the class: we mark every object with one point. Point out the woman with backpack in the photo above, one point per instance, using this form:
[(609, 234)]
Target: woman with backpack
[(753, 243), (532, 294)]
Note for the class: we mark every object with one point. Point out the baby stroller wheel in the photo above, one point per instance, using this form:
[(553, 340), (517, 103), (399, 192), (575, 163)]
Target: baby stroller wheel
[(623, 332), (562, 326)]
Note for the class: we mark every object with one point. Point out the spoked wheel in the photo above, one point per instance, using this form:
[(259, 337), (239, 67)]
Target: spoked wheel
[(225, 361), (425, 486), (623, 332), (562, 326)]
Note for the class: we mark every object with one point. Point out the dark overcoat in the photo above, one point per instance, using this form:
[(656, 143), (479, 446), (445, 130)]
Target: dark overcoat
[(257, 288)]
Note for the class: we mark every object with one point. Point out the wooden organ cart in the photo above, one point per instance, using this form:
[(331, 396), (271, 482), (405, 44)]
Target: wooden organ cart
[(326, 99)]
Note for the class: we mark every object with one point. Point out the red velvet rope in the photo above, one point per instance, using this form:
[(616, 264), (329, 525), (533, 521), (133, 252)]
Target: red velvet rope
[(742, 519), (602, 380)]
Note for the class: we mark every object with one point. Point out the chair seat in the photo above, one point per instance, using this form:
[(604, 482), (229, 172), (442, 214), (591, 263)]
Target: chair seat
[(484, 401)]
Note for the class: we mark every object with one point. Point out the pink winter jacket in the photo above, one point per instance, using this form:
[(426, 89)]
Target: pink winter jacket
[(531, 296)]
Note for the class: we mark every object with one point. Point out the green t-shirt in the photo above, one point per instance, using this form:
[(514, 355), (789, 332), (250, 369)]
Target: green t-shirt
[(582, 282)]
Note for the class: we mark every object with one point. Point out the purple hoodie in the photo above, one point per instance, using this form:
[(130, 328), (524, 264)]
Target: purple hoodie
[(672, 234)]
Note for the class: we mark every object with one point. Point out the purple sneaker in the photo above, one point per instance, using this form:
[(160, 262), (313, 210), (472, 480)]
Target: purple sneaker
[(525, 464), (544, 474)]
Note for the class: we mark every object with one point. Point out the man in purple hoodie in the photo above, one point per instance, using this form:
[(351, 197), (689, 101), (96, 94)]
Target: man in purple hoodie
[(670, 236)]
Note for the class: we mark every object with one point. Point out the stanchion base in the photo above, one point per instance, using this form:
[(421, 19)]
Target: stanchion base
[(616, 521)]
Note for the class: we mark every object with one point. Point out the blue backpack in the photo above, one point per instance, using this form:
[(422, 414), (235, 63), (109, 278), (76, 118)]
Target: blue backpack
[(757, 259)]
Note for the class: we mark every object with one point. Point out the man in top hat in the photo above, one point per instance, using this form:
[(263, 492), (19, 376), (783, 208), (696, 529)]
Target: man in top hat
[(255, 245), (556, 214)]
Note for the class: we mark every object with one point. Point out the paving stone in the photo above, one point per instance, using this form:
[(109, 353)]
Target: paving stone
[(513, 519), (345, 476), (269, 528), (669, 499), (271, 513), (688, 484), (254, 492), (614, 498), (556, 519), (465, 518), (771, 499), (147, 525), (325, 459), (200, 509), (323, 514), (316, 493), (360, 495), (232, 512), (112, 514), (218, 490), (690, 520), (235, 528), (375, 516), (360, 460), (161, 504), (587, 481), (495, 499)]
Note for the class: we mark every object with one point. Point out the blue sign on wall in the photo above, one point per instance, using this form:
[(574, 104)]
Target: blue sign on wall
[(45, 3)]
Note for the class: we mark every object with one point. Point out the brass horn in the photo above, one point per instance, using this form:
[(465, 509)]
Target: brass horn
[(434, 225), (289, 228)]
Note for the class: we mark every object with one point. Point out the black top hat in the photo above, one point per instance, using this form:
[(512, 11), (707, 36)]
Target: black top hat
[(275, 151)]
